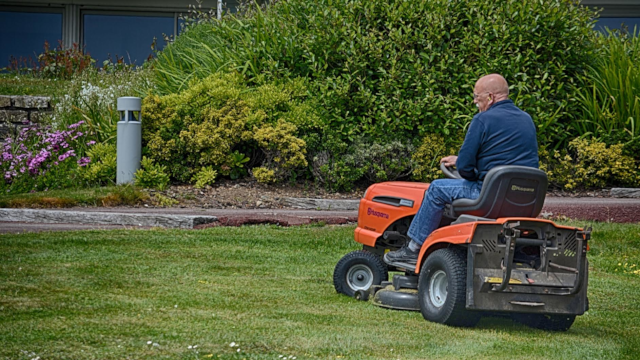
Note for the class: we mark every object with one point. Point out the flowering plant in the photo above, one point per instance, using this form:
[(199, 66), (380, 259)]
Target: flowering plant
[(40, 159), (91, 96), (58, 62)]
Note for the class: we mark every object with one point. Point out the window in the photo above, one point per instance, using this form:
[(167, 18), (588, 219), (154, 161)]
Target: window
[(618, 23), (23, 34), (129, 36)]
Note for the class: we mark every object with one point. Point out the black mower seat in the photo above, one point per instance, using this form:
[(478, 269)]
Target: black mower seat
[(507, 191)]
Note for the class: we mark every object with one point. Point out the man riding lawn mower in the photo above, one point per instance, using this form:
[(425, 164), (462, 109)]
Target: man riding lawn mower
[(474, 245)]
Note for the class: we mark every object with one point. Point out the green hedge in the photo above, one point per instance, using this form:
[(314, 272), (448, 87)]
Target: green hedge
[(396, 70), (399, 67)]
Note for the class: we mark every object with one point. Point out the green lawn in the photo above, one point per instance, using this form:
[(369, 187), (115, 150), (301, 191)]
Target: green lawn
[(106, 294)]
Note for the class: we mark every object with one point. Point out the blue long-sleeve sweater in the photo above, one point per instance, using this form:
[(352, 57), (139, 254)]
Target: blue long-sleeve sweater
[(502, 135)]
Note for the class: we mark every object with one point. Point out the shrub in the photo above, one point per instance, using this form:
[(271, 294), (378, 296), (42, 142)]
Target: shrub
[(264, 175), (41, 159), (588, 164), (336, 172), (383, 162), (283, 150), (374, 161), (235, 165), (206, 176), (151, 176), (164, 201), (102, 168), (213, 120)]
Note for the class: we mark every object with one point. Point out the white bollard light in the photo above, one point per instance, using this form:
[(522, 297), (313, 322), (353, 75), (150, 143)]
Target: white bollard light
[(129, 145)]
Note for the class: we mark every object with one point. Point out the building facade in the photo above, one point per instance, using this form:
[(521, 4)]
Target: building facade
[(106, 28), (110, 28)]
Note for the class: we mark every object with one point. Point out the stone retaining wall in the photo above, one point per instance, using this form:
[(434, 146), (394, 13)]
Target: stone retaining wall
[(19, 111)]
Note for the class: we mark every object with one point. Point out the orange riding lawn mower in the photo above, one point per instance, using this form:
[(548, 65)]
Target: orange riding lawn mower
[(490, 256)]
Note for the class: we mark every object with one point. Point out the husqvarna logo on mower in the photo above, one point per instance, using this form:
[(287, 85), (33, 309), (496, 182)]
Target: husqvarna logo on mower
[(370, 211), (523, 189)]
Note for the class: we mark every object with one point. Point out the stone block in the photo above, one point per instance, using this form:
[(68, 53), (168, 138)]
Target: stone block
[(106, 218), (5, 101), (31, 102), (36, 117), (322, 204), (625, 193), (13, 116), (6, 130)]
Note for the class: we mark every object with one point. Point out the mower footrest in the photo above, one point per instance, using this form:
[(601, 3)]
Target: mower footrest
[(404, 266)]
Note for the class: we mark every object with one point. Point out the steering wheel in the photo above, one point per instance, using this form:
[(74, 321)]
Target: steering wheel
[(450, 172)]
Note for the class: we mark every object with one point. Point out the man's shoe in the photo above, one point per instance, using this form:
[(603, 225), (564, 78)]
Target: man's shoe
[(403, 255)]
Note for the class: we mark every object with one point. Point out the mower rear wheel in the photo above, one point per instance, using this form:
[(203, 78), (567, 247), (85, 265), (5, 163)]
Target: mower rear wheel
[(545, 321), (358, 271), (442, 289)]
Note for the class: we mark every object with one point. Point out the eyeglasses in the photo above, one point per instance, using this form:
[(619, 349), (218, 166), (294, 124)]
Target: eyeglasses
[(475, 96)]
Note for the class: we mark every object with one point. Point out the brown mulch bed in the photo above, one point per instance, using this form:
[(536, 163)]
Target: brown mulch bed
[(227, 194)]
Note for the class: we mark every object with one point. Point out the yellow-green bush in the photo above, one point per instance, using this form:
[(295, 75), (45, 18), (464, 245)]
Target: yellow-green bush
[(426, 160), (589, 164), (264, 175), (218, 121), (102, 168), (151, 176), (206, 176)]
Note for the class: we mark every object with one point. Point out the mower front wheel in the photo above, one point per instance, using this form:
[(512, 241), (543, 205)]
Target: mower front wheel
[(358, 271), (442, 289)]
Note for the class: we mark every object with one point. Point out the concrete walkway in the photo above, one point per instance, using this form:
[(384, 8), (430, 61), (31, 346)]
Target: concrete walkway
[(21, 220)]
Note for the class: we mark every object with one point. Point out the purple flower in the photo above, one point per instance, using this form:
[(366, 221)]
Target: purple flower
[(84, 161), (73, 126), (91, 143), (66, 155)]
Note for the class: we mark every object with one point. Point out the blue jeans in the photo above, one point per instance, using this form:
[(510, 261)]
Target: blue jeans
[(440, 193)]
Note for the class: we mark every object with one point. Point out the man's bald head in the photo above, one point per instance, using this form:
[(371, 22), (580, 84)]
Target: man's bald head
[(489, 90), (493, 83)]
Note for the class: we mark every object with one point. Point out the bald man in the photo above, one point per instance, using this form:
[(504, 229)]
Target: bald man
[(500, 134)]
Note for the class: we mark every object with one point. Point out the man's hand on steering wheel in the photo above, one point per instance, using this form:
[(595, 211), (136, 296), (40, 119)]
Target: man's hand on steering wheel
[(447, 164), (449, 161)]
